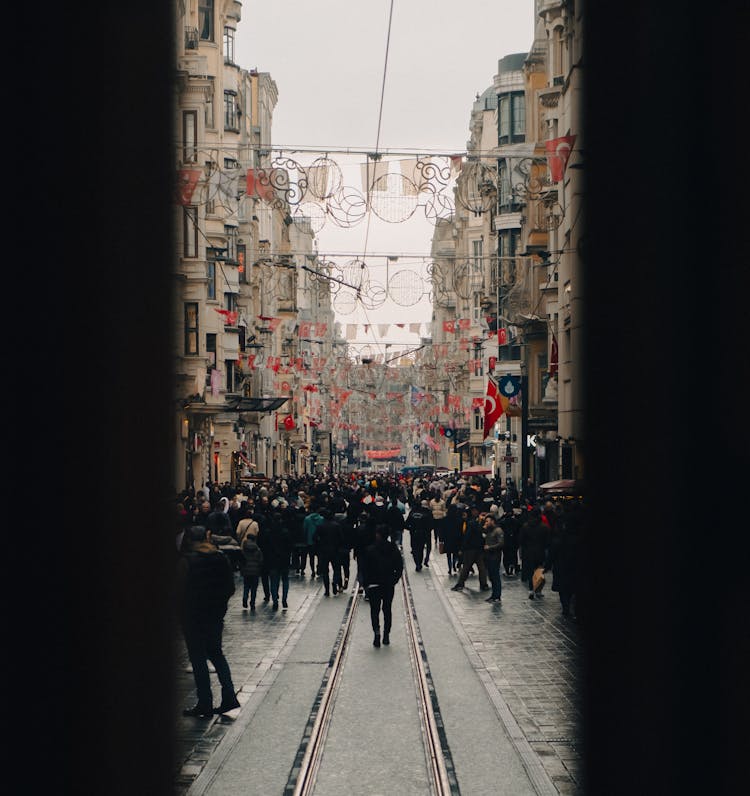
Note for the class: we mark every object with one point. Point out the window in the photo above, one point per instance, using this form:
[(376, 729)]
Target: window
[(232, 234), (191, 329), (478, 363), (228, 45), (231, 117), (211, 277), (505, 196), (511, 118), (241, 256), (209, 107), (206, 19), (230, 302), (478, 420), (231, 372), (189, 136), (190, 232), (558, 50), (210, 353)]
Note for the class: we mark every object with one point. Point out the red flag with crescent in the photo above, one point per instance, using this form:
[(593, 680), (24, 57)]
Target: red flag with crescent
[(495, 405), (558, 152)]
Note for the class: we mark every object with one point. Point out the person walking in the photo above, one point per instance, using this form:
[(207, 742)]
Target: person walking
[(382, 566), (206, 583), (565, 554), (472, 552), (493, 547), (279, 556), (534, 544), (439, 511), (451, 537), (251, 567), (419, 525), (309, 525), (394, 518), (329, 539), (510, 525)]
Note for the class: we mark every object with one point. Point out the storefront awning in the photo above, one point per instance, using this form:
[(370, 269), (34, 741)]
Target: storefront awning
[(242, 404)]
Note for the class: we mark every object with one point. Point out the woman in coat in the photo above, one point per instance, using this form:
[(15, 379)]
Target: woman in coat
[(251, 566), (451, 536)]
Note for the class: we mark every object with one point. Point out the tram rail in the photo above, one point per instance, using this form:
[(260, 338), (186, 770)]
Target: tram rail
[(441, 773)]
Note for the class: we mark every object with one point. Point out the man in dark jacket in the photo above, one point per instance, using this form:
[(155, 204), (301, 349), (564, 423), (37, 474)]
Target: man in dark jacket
[(278, 554), (381, 568), (534, 544), (510, 525), (329, 539), (419, 524), (472, 552), (207, 582)]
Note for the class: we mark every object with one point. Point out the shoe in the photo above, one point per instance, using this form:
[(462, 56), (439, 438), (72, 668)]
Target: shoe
[(326, 594), (244, 605), (266, 599), (376, 640), (346, 583), (199, 712), (531, 596), (386, 639), (427, 563), (485, 588), (252, 606), (284, 604), (335, 591), (275, 606), (419, 568), (225, 707), (457, 587)]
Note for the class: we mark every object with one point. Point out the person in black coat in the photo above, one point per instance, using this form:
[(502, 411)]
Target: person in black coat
[(419, 524), (534, 544), (451, 535), (364, 535), (278, 554), (206, 583), (382, 566), (511, 526), (565, 555), (329, 539)]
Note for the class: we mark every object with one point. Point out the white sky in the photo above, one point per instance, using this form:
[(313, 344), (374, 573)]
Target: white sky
[(327, 58)]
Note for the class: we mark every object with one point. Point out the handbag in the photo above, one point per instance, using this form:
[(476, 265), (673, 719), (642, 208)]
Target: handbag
[(441, 546), (538, 580)]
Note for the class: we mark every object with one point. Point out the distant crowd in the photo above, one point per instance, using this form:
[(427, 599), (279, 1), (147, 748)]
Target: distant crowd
[(316, 526)]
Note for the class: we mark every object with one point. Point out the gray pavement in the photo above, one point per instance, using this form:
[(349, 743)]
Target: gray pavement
[(507, 676)]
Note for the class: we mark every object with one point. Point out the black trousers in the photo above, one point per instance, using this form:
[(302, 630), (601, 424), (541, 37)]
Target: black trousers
[(203, 641), (381, 597)]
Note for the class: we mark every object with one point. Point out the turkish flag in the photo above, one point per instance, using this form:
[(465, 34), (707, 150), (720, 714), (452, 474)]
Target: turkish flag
[(289, 423), (558, 152), (494, 406), (502, 336), (449, 326), (187, 179)]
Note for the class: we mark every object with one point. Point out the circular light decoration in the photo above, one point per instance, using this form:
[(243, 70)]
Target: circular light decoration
[(406, 288), (345, 302), (388, 200), (309, 216)]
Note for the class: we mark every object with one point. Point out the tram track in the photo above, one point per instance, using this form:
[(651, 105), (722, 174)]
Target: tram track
[(439, 763)]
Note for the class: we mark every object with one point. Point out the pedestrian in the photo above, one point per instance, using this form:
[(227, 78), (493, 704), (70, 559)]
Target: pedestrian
[(472, 550), (246, 523), (493, 547), (309, 525), (439, 511), (452, 534), (419, 525), (328, 539), (534, 544), (263, 541), (279, 553), (510, 525), (382, 566), (564, 555), (364, 535), (394, 518), (344, 554), (218, 521), (206, 583), (251, 566)]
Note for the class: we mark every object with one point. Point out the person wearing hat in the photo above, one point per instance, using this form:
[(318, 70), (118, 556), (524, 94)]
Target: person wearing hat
[(206, 582)]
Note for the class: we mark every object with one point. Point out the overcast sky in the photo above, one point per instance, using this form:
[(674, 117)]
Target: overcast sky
[(328, 57)]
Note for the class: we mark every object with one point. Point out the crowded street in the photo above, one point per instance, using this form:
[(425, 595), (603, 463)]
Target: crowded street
[(502, 678)]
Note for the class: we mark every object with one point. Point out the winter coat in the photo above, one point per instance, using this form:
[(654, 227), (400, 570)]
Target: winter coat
[(438, 508), (309, 525), (329, 538), (381, 564), (207, 582), (247, 525), (494, 541), (565, 553), (252, 558), (510, 525), (279, 551), (473, 539), (419, 523), (219, 524), (534, 542)]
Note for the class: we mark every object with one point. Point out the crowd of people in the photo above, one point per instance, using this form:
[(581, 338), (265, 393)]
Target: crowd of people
[(316, 526)]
